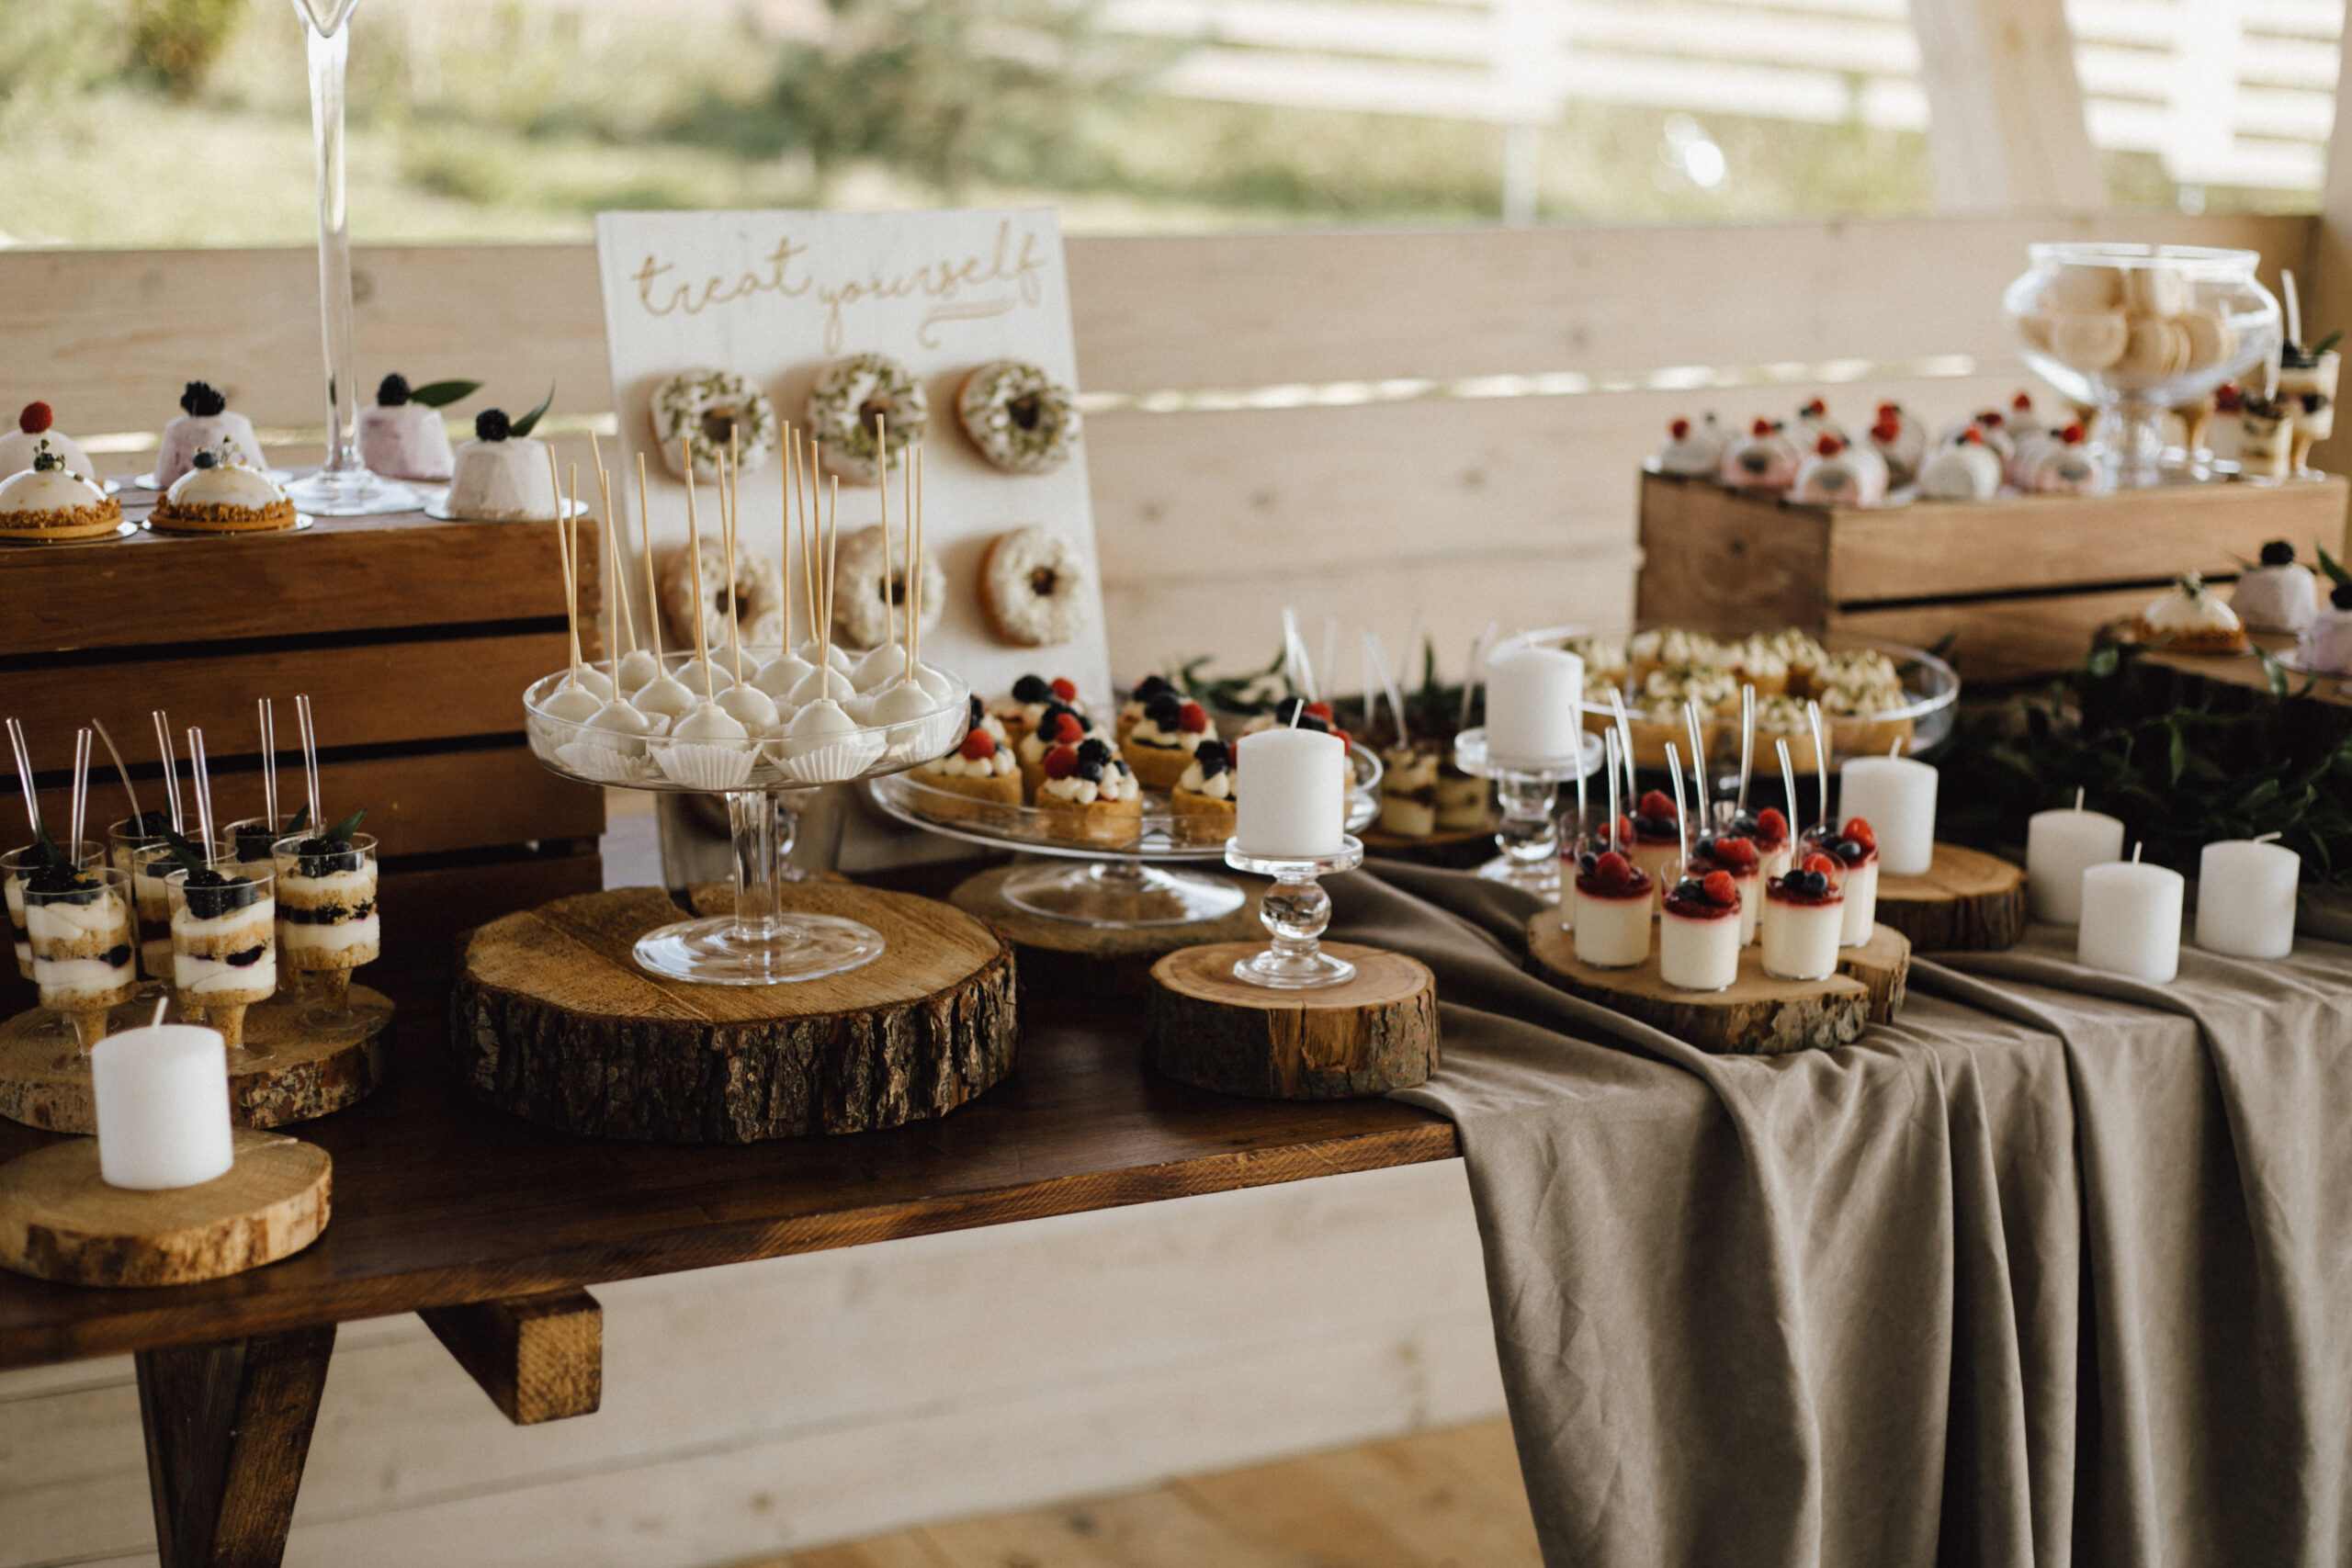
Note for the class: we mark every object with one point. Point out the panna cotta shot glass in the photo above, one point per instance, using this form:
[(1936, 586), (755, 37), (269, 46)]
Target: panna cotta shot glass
[(1698, 935), (1610, 906), (1854, 848), (1657, 845), (327, 924), (1805, 915), (224, 946), (84, 935)]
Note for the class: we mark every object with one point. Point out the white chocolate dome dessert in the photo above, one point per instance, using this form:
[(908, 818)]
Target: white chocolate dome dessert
[(205, 425), (1966, 470), (217, 497), (2190, 620), (501, 477), (401, 437), (34, 434), (51, 501), (2327, 641), (2279, 595)]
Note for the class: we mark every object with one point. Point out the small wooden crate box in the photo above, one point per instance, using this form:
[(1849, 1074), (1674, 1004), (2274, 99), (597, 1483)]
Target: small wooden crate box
[(415, 639), (2020, 585)]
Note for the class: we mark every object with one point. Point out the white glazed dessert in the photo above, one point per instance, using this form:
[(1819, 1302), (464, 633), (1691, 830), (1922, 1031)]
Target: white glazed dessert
[(500, 477), (36, 434), (1840, 475), (1804, 917), (2190, 619), (2062, 464), (1900, 441), (403, 438), (51, 502), (2326, 644), (221, 497), (1764, 458), (1693, 451), (2279, 595), (1698, 937), (1965, 471), (1612, 910), (223, 951), (1814, 422), (205, 425), (1991, 427)]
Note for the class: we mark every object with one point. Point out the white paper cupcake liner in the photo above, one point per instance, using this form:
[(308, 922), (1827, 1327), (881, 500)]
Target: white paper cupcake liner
[(832, 763), (705, 767), (920, 740), (603, 763)]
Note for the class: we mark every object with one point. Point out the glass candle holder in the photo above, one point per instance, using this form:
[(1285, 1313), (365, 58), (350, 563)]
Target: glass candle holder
[(1529, 835), (1295, 912), (84, 934), (327, 924), (224, 946)]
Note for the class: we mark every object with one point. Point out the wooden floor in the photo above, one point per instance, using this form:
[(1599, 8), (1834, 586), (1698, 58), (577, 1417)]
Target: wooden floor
[(1446, 1499)]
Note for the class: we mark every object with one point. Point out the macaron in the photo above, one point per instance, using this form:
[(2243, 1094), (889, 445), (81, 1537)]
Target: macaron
[(2090, 340)]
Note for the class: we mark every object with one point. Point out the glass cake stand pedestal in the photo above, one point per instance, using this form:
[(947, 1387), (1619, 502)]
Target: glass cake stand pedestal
[(1526, 791), (760, 943)]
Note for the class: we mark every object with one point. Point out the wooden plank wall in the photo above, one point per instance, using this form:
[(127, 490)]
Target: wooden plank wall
[(1520, 508)]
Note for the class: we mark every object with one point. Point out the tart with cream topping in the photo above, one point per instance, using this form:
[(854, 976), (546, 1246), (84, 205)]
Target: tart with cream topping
[(1159, 746), (1058, 726), (49, 502), (982, 775), (1203, 798), (219, 497), (1032, 694), (2190, 620), (1088, 795)]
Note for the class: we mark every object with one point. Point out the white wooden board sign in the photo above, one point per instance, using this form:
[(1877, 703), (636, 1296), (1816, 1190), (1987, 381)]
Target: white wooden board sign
[(773, 297)]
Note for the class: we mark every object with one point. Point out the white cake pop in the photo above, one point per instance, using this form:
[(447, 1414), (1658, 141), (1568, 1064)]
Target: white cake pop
[(819, 685), (818, 724), (638, 666), (666, 696), (879, 668), (572, 704), (754, 708), (711, 725), (619, 726), (901, 701), (779, 676)]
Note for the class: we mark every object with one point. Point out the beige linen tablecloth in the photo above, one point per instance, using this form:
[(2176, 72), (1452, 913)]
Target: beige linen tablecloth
[(2054, 1271)]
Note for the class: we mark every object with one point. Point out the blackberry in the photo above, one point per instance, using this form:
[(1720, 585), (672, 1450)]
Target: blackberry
[(491, 425), (1095, 751), (392, 390), (2277, 552), (199, 400), (1165, 710), (1032, 689)]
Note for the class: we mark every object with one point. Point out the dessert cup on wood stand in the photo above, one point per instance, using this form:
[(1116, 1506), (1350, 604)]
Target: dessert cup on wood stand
[(13, 867), (85, 941), (224, 951), (1528, 792), (327, 922)]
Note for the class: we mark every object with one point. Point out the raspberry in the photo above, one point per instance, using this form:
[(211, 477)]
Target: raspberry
[(1816, 409), (1656, 803), (1859, 830), (35, 418), (1821, 863), (1061, 761), (1735, 854), (2073, 435), (1762, 428), (1890, 411), (1719, 888), (1679, 429), (1886, 429), (1771, 825), (979, 746), (1192, 719), (1319, 710), (1065, 689), (1972, 434), (2022, 402), (1069, 728), (1829, 446), (1613, 868)]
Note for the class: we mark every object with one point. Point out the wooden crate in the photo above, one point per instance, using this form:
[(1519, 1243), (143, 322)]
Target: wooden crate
[(2019, 585), (415, 639)]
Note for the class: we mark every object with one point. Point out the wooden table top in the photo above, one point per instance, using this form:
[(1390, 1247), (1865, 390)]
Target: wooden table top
[(439, 1200)]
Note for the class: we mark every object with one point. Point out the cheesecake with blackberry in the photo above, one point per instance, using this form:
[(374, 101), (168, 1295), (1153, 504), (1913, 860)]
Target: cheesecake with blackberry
[(224, 950), (205, 425), (220, 496), (1058, 726), (1131, 712)]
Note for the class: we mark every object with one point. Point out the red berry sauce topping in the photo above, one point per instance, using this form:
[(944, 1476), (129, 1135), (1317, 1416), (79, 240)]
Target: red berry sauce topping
[(35, 418), (2227, 398), (1611, 876), (1192, 718), (979, 746), (1061, 761), (1829, 446), (1065, 689)]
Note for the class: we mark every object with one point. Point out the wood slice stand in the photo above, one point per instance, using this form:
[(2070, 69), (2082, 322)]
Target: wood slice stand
[(1071, 959), (1967, 902), (307, 1072), (1375, 1033), (60, 1221), (552, 1019), (1757, 1015)]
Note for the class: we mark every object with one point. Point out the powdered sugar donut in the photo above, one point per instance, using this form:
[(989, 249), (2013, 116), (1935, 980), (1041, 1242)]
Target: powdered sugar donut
[(1021, 419), (851, 399), (863, 605), (1033, 588), (706, 409), (755, 601)]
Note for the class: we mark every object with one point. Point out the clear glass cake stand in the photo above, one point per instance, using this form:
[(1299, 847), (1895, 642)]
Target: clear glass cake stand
[(761, 943), (1131, 874)]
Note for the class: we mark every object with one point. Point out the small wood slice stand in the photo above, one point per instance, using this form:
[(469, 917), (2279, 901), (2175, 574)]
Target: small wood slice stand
[(1375, 1033), (1458, 848), (1967, 902), (60, 1221), (1757, 1015), (305, 1072), (552, 1019), (1069, 958)]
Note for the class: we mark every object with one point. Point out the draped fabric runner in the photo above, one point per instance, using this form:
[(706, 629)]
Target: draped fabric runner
[(2056, 1269)]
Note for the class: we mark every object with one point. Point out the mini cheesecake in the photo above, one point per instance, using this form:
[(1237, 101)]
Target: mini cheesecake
[(1612, 910), (1409, 791), (500, 476), (21, 448), (1805, 915), (217, 496), (404, 440), (223, 954), (1204, 799), (1657, 841), (49, 502), (978, 779), (1058, 726), (205, 425), (1698, 935), (1090, 796), (1032, 695), (1736, 858), (1159, 745)]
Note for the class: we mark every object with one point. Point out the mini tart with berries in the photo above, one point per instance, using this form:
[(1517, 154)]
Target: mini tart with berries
[(1131, 712), (48, 504), (217, 497), (1204, 799), (1026, 704), (1058, 726), (979, 779), (1159, 746), (1088, 795)]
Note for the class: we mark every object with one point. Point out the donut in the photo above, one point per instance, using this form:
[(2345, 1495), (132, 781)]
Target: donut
[(852, 395), (1033, 588), (706, 407), (756, 597), (1021, 419), (861, 613)]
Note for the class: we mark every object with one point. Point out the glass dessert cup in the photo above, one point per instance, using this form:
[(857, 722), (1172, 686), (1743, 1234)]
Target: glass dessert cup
[(14, 865), (224, 950), (2307, 389), (763, 779), (1529, 837), (249, 846), (2136, 331), (85, 943), (327, 924), (147, 858), (1295, 911), (1119, 885)]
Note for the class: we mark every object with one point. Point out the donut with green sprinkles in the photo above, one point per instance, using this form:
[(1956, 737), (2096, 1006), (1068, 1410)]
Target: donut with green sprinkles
[(853, 400), (1019, 418)]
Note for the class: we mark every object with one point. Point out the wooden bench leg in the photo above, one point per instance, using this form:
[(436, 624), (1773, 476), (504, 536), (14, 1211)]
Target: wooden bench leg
[(539, 1357), (228, 1429)]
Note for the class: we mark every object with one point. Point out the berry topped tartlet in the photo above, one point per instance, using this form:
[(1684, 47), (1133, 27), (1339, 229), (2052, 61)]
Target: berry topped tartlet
[(1205, 799), (1805, 915), (1030, 698), (220, 497), (1058, 726), (982, 772), (1088, 795), (48, 504), (1131, 712), (1611, 909), (1159, 746)]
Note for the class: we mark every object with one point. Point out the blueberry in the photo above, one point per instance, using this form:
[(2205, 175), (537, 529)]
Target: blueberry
[(115, 957), (1655, 827), (1032, 689), (1089, 768), (1164, 710), (1588, 862), (979, 713), (1690, 891), (246, 959), (204, 459), (1817, 883), (1850, 851)]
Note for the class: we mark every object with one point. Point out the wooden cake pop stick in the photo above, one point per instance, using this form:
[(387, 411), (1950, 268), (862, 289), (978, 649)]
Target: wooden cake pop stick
[(693, 557), (653, 594), (890, 569), (734, 499), (832, 554), (914, 565), (784, 535), (624, 619)]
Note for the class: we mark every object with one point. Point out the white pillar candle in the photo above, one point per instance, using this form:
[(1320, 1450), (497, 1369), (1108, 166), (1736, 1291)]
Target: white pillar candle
[(1534, 707), (2058, 846), (163, 1099), (1290, 800), (2246, 899), (2130, 920), (1897, 797)]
